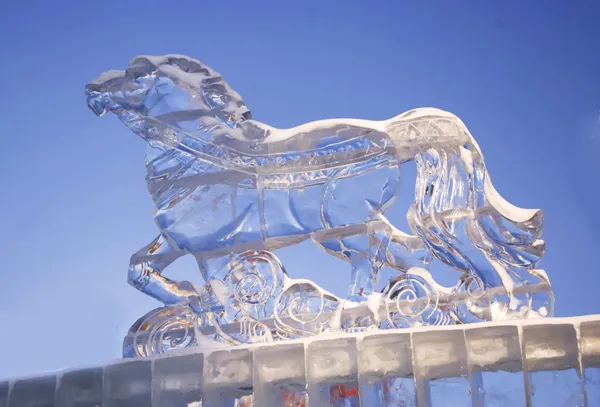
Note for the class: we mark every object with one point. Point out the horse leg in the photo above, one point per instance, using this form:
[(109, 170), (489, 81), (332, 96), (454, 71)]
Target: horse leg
[(356, 250), (145, 270), (380, 245), (396, 249)]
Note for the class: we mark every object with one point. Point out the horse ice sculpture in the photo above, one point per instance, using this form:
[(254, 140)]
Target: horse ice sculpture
[(229, 190)]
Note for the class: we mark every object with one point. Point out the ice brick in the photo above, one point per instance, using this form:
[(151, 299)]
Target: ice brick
[(331, 361), (385, 355), (592, 386), (279, 372), (80, 388), (38, 392), (441, 368), (389, 392), (552, 363), (590, 358), (177, 380), (4, 394), (496, 367), (280, 365), (227, 377), (332, 372), (127, 384), (385, 370)]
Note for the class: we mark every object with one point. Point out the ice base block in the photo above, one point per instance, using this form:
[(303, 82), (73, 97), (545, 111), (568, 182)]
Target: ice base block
[(538, 362)]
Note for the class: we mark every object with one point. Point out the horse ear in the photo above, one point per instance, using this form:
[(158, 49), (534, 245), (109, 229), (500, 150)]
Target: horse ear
[(138, 67), (190, 78)]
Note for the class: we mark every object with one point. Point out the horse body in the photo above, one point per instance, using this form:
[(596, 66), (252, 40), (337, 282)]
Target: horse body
[(203, 207)]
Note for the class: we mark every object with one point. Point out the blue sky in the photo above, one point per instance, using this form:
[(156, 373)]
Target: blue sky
[(523, 76)]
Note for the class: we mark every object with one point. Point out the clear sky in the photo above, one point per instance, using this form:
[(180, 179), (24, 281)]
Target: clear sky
[(523, 76)]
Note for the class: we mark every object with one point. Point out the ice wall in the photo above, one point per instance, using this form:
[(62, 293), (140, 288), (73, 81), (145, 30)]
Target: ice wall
[(552, 362)]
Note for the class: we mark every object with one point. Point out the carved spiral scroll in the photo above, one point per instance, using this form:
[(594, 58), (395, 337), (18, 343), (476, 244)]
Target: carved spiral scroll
[(254, 280), (412, 300), (476, 305), (304, 309), (161, 331)]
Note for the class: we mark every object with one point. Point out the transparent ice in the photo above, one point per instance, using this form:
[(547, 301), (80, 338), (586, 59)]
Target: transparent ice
[(230, 191), (535, 362)]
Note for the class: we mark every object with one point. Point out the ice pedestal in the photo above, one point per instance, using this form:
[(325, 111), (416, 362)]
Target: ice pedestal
[(552, 362), (551, 357), (332, 372), (178, 381), (494, 356), (35, 392), (279, 375), (590, 357), (4, 394), (441, 371), (227, 377), (127, 384), (80, 388), (385, 370)]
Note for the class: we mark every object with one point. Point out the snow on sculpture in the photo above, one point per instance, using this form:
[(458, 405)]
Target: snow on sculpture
[(231, 190)]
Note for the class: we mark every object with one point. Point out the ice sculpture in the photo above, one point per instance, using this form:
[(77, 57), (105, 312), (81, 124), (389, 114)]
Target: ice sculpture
[(231, 190)]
